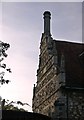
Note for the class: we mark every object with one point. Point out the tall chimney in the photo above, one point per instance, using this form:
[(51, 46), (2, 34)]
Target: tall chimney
[(47, 17)]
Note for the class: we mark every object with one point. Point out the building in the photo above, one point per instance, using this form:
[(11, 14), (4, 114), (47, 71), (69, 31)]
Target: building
[(22, 115), (59, 91)]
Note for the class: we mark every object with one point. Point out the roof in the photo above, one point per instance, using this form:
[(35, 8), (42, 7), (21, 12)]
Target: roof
[(73, 67), (22, 115)]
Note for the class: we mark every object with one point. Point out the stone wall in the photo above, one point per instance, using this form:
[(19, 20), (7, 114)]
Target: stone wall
[(49, 97), (69, 105), (76, 105)]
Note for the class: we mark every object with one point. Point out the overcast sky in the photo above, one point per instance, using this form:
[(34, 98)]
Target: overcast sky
[(21, 25)]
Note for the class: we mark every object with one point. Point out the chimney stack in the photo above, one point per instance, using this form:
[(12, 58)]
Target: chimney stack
[(47, 17)]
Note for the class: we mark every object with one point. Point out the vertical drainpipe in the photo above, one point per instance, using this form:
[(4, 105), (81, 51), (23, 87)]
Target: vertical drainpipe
[(67, 105)]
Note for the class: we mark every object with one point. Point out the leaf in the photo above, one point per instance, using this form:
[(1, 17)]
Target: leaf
[(4, 54), (19, 102), (1, 59), (9, 70), (7, 81), (3, 66)]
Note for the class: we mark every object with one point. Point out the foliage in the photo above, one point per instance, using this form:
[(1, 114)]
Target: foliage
[(7, 105), (3, 48)]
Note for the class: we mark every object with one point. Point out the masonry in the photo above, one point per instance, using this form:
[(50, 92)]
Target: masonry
[(59, 91)]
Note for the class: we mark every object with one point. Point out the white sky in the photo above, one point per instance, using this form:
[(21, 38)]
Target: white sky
[(21, 25)]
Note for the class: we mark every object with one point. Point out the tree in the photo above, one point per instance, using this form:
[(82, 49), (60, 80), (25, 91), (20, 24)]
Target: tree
[(7, 105), (3, 48)]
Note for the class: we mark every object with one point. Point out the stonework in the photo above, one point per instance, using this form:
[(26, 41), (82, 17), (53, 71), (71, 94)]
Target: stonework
[(54, 95), (76, 106)]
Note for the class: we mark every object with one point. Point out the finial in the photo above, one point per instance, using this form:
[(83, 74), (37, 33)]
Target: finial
[(47, 17)]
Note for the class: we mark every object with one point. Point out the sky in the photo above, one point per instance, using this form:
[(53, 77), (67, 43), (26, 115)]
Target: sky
[(21, 25)]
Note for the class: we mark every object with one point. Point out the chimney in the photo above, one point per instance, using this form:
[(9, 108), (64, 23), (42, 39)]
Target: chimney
[(47, 17)]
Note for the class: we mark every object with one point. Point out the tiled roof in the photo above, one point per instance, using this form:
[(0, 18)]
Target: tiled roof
[(73, 67)]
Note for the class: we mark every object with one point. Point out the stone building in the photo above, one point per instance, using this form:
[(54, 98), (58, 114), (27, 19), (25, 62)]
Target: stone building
[(59, 91)]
